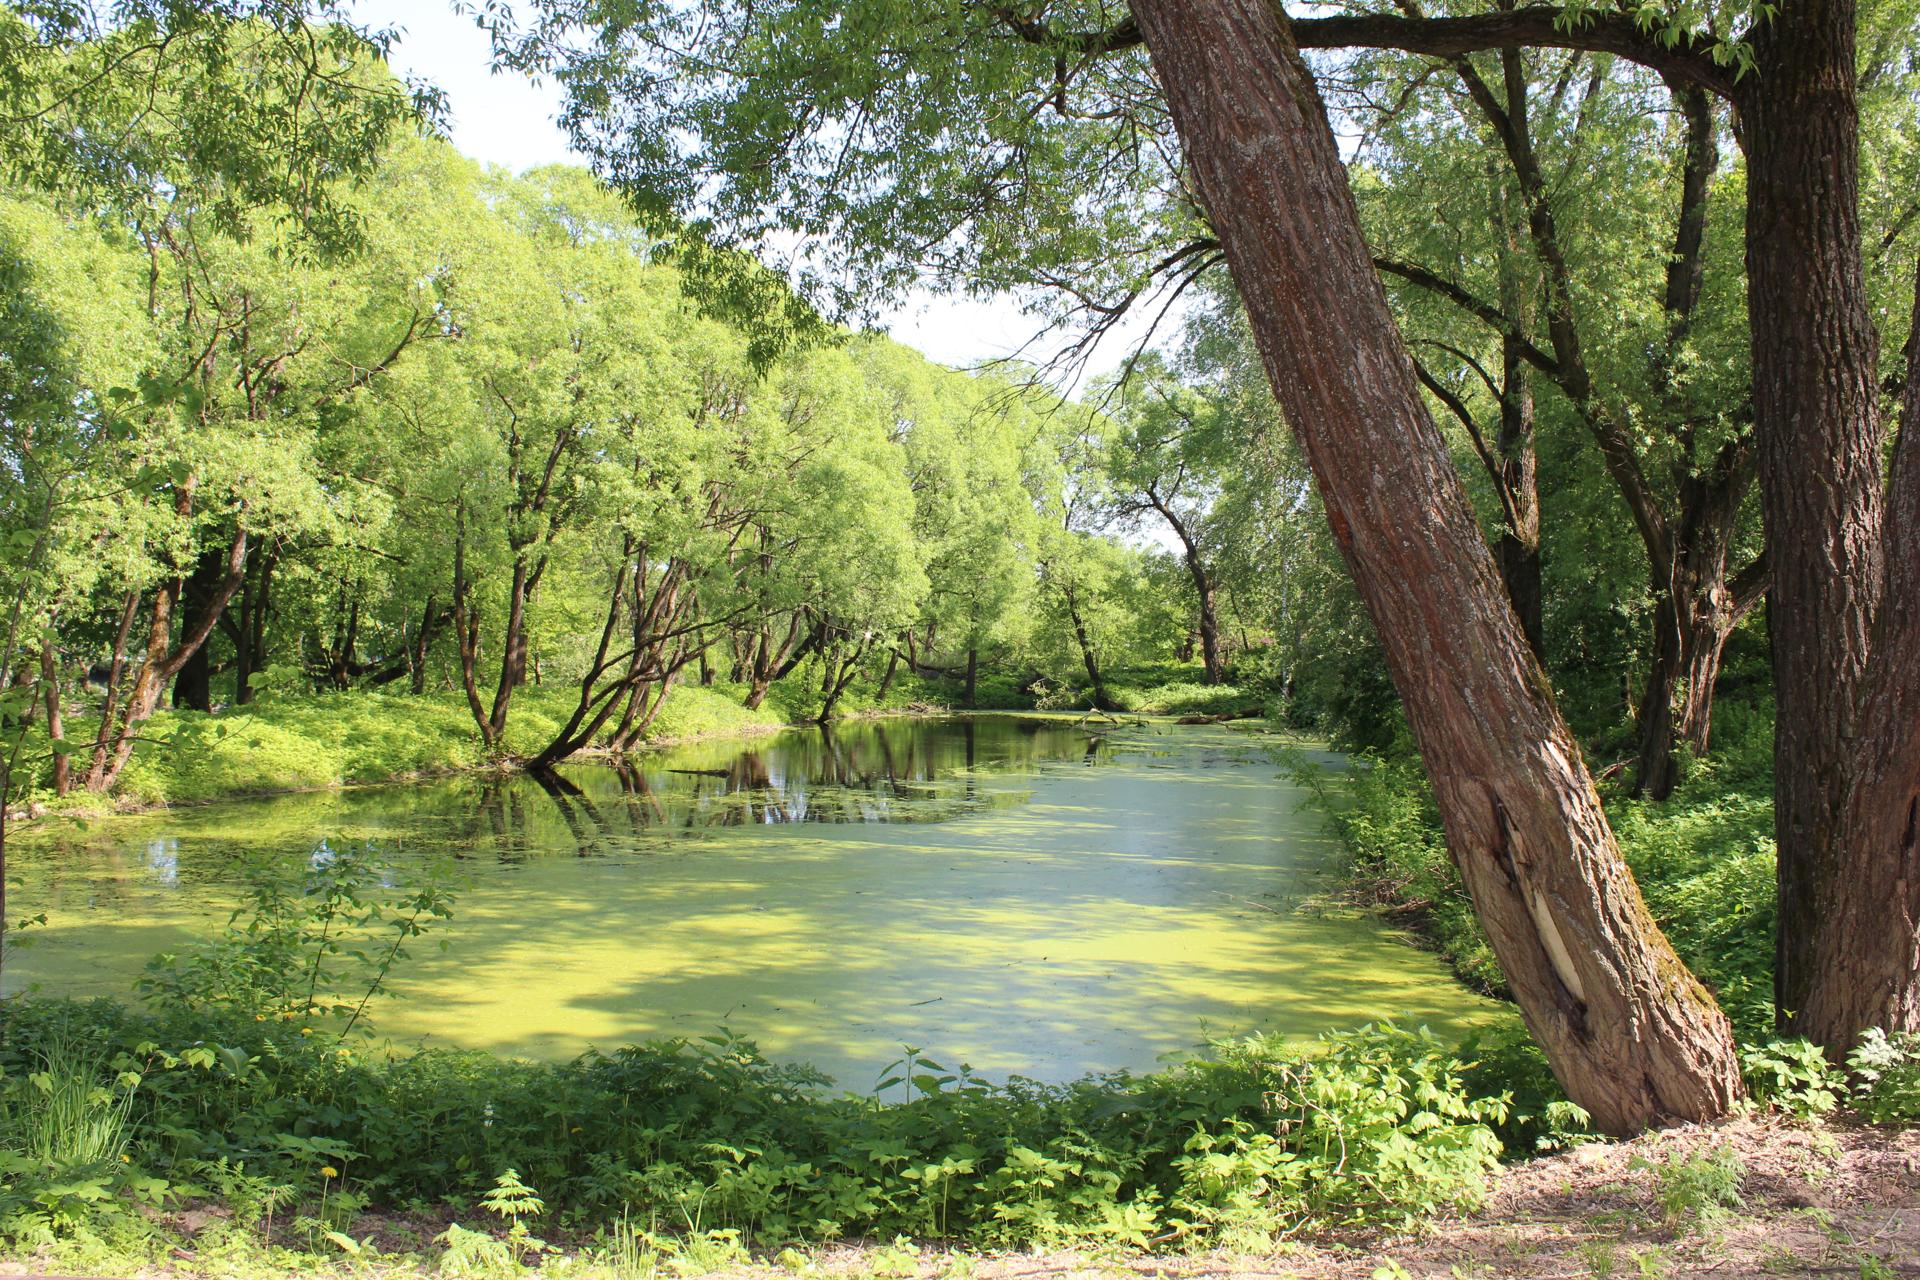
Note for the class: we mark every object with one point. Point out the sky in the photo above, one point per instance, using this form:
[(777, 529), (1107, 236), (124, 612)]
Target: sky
[(508, 120)]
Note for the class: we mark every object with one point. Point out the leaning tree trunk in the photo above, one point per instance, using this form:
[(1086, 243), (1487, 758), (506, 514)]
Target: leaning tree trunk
[(1101, 702), (1631, 1035), (1205, 597), (1817, 422)]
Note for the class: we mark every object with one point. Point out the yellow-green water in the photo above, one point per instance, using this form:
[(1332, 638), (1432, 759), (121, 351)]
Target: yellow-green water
[(1028, 896)]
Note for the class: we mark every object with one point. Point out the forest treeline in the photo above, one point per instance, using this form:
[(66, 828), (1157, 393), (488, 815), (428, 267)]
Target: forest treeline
[(489, 440), (1569, 395)]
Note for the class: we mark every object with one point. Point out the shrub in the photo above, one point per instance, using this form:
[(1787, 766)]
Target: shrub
[(705, 1135), (1793, 1075), (1695, 1188), (1885, 1072)]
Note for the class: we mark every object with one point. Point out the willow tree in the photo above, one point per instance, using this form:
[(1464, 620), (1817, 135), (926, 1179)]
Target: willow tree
[(1168, 461)]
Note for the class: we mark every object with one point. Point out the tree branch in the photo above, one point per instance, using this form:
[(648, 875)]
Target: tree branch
[(1689, 60)]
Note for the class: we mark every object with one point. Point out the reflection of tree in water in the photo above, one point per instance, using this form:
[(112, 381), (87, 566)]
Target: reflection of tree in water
[(918, 771)]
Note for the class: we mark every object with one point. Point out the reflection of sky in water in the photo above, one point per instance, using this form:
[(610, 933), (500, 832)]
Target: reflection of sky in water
[(163, 860), (975, 889)]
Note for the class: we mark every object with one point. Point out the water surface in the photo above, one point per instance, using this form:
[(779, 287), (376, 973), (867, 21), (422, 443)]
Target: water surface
[(1030, 896)]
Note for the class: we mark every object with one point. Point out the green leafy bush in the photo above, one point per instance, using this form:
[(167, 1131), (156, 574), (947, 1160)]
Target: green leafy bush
[(705, 1135), (1704, 859), (1793, 1075), (1885, 1071)]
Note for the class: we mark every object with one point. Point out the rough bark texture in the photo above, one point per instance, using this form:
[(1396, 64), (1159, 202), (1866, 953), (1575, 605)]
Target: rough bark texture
[(1817, 422), (1865, 947), (1631, 1035)]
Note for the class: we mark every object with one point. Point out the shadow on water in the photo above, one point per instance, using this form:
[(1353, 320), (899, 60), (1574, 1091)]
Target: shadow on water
[(1028, 895)]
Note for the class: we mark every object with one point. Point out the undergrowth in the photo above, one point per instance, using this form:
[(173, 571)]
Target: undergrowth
[(1704, 859), (701, 1134)]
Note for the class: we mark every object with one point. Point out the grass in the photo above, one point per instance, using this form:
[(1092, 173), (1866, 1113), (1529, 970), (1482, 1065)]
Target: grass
[(288, 741), (294, 742)]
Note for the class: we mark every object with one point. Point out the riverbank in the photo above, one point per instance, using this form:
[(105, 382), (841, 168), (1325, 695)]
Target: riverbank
[(1704, 859), (288, 743), (285, 744)]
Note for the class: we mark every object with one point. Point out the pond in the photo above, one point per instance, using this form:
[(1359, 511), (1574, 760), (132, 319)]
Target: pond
[(1031, 896)]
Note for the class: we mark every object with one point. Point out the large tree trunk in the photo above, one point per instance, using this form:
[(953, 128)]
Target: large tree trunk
[(1631, 1035), (1817, 421), (1864, 951)]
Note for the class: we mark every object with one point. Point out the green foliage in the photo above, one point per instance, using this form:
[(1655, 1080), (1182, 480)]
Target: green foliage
[(312, 944), (68, 1124), (1383, 814), (1505, 1060), (1693, 1189), (1885, 1070), (1793, 1075), (1703, 859), (705, 1135)]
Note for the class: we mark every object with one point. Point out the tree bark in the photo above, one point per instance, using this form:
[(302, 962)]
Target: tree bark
[(1203, 589), (1101, 702), (1865, 945), (1630, 1034), (56, 722), (1815, 371), (513, 649), (164, 659), (466, 629), (193, 687), (259, 611)]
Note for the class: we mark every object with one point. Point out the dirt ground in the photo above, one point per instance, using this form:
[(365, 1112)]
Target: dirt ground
[(1833, 1201)]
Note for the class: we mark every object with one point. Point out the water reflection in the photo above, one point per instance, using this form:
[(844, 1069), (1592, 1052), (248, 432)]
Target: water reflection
[(163, 861), (866, 772)]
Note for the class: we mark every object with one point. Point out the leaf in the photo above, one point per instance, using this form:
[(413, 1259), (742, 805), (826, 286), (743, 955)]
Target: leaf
[(346, 1243)]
